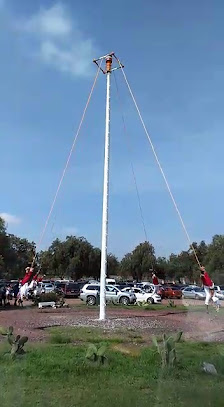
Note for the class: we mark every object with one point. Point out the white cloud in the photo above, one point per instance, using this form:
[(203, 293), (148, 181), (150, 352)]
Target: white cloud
[(57, 41), (70, 230), (10, 219), (53, 22)]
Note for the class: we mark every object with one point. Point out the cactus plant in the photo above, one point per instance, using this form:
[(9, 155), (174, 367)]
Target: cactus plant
[(171, 304), (96, 355), (16, 342), (167, 349), (142, 303)]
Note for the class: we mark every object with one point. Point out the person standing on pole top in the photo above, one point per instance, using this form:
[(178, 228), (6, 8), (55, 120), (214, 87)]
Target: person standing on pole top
[(209, 289)]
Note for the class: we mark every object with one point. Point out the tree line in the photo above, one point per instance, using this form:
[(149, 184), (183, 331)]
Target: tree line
[(76, 258)]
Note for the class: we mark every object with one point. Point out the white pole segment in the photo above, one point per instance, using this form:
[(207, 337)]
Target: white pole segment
[(103, 271)]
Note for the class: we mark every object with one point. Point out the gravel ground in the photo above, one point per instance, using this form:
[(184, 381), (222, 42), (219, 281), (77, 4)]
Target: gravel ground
[(195, 325)]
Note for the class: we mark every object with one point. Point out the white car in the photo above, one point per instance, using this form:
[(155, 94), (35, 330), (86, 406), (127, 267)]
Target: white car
[(141, 295), (219, 292), (47, 288)]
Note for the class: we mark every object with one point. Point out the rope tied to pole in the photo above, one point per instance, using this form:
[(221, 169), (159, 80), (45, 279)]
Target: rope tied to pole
[(66, 164), (132, 166), (160, 166)]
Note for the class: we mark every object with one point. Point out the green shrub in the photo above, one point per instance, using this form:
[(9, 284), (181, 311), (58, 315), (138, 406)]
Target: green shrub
[(96, 355), (60, 339), (48, 297)]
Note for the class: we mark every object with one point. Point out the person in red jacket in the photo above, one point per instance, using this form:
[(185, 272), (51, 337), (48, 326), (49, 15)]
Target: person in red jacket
[(209, 288), (28, 275), (155, 279)]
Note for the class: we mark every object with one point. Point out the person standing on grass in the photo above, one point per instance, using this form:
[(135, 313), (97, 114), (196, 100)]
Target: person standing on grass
[(8, 294), (3, 296), (209, 289), (16, 292)]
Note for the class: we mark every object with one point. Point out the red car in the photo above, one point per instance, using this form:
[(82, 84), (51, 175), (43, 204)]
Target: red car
[(160, 291), (172, 292), (69, 289)]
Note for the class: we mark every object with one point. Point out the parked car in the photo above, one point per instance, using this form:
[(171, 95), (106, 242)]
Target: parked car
[(69, 289), (141, 295), (120, 286), (90, 292), (172, 292), (147, 287), (72, 290), (219, 291), (110, 281), (196, 293), (47, 288)]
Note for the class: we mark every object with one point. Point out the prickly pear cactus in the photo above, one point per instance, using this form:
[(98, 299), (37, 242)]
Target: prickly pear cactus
[(167, 350)]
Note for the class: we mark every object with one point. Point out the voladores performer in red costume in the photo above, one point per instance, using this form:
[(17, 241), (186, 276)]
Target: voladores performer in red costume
[(155, 281), (209, 289)]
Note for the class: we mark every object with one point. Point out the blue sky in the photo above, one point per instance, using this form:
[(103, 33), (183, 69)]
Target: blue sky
[(173, 58)]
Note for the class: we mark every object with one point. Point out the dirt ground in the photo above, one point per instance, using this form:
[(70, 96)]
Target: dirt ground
[(196, 324)]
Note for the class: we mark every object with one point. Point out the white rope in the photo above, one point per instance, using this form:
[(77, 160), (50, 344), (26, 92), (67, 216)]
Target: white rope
[(129, 147), (160, 167), (67, 163)]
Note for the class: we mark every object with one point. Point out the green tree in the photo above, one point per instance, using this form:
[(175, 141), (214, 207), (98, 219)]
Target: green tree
[(126, 267), (214, 260), (139, 262), (4, 248), (112, 265), (161, 267), (21, 255), (74, 258)]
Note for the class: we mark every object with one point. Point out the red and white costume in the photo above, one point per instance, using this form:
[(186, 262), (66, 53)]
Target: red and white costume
[(155, 281), (25, 283), (208, 286)]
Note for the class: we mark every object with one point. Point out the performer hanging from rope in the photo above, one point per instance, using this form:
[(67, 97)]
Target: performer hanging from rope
[(209, 289), (25, 283), (155, 281)]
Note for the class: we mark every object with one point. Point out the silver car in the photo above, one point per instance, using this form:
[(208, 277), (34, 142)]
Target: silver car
[(90, 294), (196, 293)]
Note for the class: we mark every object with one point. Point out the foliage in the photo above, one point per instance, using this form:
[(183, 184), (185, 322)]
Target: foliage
[(139, 262), (48, 375), (171, 304), (46, 297), (16, 342), (142, 304), (75, 258), (15, 253), (167, 349), (60, 339), (96, 355)]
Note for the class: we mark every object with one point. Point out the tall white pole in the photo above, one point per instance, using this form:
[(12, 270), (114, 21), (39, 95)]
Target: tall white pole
[(103, 271)]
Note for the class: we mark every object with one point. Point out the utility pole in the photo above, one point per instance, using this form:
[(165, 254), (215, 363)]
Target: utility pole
[(103, 272)]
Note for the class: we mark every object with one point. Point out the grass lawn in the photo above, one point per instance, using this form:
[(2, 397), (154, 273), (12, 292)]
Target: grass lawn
[(58, 374)]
